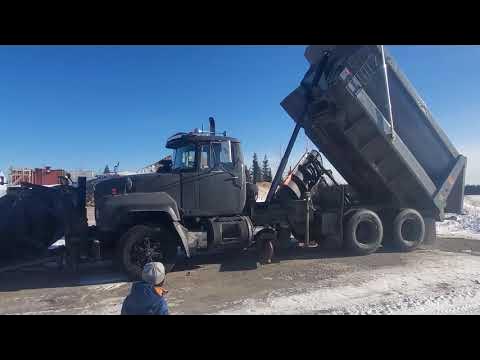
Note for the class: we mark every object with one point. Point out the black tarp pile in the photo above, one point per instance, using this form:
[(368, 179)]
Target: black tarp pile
[(32, 218)]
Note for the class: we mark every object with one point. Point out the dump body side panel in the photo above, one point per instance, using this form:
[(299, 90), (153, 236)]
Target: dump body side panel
[(418, 167)]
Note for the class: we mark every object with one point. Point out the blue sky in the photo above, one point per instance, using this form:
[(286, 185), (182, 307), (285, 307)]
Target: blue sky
[(86, 106)]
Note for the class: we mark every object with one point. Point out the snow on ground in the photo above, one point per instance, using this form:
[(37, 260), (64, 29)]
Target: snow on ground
[(422, 282), (467, 225), (423, 287), (3, 190)]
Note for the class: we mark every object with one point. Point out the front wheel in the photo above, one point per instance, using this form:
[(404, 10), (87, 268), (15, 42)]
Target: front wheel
[(142, 244)]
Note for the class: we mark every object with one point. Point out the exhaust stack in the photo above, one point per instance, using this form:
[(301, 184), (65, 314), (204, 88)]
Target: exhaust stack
[(211, 120)]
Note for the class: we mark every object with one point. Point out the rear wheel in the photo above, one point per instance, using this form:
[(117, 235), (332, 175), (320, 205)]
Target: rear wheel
[(408, 230), (143, 244), (363, 232)]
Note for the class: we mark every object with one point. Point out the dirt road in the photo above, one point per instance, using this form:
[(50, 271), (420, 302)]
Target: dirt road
[(428, 281)]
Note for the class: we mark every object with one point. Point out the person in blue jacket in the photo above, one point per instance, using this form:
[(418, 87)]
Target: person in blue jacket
[(147, 297)]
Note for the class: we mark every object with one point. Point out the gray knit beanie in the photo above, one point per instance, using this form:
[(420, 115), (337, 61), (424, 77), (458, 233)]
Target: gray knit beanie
[(153, 273)]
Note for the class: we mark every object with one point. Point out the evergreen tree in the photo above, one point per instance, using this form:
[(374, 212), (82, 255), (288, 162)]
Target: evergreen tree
[(266, 170), (472, 189), (257, 172), (106, 170)]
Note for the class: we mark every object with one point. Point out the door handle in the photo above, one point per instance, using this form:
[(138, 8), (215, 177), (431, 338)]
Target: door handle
[(232, 178)]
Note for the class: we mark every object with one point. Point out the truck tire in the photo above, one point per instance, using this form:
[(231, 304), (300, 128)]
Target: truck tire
[(141, 244), (408, 230), (363, 232)]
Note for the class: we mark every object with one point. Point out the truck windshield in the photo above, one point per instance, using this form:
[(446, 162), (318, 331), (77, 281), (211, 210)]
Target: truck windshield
[(184, 157)]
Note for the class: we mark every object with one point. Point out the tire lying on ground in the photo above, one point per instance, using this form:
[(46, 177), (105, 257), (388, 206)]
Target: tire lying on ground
[(142, 244), (408, 231), (30, 221), (363, 232)]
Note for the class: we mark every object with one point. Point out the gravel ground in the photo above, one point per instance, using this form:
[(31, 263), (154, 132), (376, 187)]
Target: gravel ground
[(441, 280)]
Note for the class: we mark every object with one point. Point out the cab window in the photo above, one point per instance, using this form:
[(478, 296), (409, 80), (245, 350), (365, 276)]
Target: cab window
[(205, 156), (222, 154), (215, 155), (184, 158)]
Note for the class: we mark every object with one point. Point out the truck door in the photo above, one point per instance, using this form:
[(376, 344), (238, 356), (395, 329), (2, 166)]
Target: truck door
[(221, 179), (185, 164)]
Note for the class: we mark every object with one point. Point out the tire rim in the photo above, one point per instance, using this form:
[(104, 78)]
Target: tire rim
[(144, 251), (411, 230), (366, 232)]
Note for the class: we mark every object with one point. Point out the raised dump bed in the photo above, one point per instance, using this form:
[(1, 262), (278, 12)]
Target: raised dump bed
[(411, 164)]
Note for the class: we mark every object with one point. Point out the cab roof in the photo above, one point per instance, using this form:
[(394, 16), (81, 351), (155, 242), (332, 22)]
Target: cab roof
[(182, 139)]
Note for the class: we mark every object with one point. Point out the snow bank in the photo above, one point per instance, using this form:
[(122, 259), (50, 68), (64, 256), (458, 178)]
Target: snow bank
[(467, 225)]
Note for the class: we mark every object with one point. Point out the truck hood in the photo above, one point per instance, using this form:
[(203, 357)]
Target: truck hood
[(157, 182)]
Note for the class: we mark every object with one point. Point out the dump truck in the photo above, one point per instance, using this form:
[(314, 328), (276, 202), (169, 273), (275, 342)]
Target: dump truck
[(362, 114), (375, 129)]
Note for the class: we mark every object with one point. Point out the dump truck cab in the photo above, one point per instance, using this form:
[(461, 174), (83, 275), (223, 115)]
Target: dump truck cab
[(195, 201), (211, 174), (205, 178)]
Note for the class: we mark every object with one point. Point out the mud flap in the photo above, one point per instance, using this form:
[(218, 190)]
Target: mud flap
[(430, 231)]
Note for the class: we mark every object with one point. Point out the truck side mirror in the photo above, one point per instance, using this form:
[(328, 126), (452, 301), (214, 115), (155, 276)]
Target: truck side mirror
[(63, 180), (2, 180)]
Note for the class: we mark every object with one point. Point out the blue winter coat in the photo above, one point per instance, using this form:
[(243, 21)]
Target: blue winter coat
[(144, 300)]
